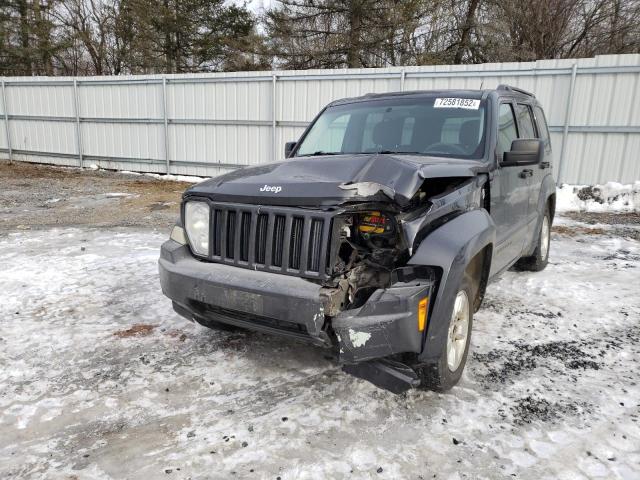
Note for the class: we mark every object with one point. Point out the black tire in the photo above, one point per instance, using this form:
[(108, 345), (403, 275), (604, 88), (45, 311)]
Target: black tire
[(438, 376), (540, 258)]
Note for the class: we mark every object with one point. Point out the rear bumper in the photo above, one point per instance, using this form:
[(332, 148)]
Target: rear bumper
[(285, 305)]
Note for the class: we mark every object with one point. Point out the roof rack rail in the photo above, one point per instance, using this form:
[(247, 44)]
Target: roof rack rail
[(515, 89)]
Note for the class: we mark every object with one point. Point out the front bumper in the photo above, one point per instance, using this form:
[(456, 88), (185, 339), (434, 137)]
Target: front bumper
[(285, 305)]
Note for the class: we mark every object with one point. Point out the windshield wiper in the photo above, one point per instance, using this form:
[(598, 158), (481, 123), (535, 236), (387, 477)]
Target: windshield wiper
[(389, 152), (319, 153)]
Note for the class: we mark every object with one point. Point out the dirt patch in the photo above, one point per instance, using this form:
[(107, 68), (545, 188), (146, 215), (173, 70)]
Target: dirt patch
[(608, 218), (137, 330), (625, 224), (622, 255), (530, 409), (577, 230), (37, 196), (503, 365), (178, 334)]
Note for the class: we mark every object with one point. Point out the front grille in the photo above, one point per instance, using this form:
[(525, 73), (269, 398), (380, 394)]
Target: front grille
[(293, 241)]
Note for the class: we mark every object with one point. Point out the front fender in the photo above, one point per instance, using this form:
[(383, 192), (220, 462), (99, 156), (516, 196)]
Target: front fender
[(450, 248)]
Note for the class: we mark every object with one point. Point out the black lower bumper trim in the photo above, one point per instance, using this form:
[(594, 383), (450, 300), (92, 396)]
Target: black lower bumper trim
[(393, 376), (205, 310)]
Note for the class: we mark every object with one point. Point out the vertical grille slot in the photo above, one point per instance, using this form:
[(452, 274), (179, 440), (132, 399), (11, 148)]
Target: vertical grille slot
[(245, 230), (278, 240), (261, 238), (231, 234), (315, 245), (217, 232), (295, 247)]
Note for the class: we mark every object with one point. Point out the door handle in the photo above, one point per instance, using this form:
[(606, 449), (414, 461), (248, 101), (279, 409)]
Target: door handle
[(527, 172), (545, 164)]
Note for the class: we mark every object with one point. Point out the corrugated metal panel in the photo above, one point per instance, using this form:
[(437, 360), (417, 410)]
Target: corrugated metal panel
[(37, 100), (3, 134), (215, 122), (120, 101), (50, 137)]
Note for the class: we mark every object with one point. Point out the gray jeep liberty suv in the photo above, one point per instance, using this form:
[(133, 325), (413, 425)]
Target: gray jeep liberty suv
[(377, 235)]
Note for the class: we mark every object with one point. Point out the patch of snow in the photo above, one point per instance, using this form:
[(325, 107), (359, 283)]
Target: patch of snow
[(157, 176), (610, 197), (176, 178), (118, 194)]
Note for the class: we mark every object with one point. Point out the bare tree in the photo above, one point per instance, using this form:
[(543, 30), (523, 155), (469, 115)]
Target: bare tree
[(97, 37)]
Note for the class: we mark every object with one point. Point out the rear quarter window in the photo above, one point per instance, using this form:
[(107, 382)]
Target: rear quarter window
[(525, 122), (543, 129)]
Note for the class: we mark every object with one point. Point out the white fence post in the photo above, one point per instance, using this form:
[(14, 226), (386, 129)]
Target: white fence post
[(165, 130), (565, 128), (5, 108), (76, 108), (274, 153), (402, 77)]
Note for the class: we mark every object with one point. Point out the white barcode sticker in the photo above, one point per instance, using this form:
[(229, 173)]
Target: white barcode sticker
[(468, 103)]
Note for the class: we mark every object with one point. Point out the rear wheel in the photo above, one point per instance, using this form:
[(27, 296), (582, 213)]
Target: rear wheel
[(446, 372), (540, 258)]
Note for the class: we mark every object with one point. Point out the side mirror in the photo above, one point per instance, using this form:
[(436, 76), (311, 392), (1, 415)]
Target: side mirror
[(524, 151), (288, 148)]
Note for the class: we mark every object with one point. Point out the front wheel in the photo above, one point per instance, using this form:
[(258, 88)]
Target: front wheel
[(540, 258), (446, 372)]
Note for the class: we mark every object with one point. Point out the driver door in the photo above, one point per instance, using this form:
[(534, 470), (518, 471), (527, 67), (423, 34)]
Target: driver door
[(509, 195)]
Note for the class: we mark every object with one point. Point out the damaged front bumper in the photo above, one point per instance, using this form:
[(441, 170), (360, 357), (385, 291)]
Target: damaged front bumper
[(385, 325)]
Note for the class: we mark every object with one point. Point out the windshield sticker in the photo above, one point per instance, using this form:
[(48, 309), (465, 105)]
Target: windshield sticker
[(468, 103)]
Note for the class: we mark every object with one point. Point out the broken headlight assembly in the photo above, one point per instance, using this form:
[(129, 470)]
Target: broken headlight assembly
[(196, 223), (375, 225)]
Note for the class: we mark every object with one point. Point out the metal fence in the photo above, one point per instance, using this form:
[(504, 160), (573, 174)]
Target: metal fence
[(208, 124)]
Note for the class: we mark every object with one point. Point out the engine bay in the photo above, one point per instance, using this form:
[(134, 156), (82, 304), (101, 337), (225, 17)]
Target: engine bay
[(368, 246), (369, 242)]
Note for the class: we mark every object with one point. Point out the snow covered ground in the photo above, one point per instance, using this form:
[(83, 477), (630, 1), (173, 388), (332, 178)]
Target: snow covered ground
[(610, 197), (100, 379)]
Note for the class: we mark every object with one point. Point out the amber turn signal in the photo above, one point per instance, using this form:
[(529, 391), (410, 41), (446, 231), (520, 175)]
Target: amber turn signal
[(423, 306)]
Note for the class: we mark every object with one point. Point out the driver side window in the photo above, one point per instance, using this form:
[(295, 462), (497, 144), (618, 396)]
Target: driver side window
[(507, 129)]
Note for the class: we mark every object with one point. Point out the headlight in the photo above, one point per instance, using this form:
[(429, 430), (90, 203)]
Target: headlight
[(374, 223), (196, 221)]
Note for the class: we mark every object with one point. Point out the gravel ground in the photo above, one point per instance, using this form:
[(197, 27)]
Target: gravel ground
[(40, 196), (100, 379)]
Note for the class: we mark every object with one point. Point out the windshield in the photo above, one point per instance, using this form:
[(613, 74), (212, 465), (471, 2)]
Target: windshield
[(439, 126)]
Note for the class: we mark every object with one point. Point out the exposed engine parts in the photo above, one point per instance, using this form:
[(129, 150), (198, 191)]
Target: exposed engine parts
[(370, 243)]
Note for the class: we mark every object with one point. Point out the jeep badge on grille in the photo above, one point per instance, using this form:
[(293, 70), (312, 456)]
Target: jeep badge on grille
[(269, 188)]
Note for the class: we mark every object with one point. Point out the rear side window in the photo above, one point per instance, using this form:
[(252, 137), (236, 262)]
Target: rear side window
[(542, 127), (525, 122), (507, 130)]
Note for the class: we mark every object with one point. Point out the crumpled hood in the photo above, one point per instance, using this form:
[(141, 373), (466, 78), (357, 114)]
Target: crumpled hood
[(333, 180)]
